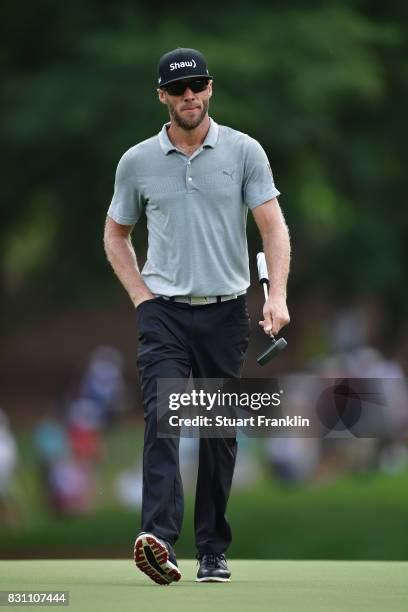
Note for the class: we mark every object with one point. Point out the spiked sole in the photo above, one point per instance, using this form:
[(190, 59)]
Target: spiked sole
[(152, 558)]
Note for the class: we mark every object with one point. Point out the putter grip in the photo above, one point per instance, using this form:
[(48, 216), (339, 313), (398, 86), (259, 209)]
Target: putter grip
[(262, 269)]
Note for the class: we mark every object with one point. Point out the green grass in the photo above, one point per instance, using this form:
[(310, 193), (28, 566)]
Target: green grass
[(283, 586)]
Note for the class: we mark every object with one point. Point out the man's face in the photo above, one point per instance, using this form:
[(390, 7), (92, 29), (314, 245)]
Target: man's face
[(188, 109)]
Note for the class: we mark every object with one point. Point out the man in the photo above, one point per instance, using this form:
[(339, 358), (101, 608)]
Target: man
[(195, 180)]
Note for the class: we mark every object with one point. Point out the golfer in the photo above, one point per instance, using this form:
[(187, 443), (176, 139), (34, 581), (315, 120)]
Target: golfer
[(195, 181)]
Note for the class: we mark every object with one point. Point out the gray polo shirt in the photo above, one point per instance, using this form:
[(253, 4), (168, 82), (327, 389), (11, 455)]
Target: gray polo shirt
[(196, 209)]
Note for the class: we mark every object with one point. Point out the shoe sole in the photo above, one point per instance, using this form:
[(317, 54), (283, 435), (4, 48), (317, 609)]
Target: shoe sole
[(152, 558), (214, 579)]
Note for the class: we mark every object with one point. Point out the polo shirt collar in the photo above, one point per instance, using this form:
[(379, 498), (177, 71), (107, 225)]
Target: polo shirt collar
[(209, 141), (212, 135)]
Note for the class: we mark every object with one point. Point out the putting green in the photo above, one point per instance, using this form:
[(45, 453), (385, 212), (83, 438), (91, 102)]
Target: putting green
[(116, 585)]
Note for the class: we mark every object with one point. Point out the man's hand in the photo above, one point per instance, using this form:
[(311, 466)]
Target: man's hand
[(142, 298), (275, 314), (276, 243)]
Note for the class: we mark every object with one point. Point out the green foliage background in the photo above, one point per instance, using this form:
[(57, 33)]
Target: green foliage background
[(322, 85)]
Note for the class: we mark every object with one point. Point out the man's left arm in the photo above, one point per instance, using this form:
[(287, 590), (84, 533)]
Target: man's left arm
[(276, 244)]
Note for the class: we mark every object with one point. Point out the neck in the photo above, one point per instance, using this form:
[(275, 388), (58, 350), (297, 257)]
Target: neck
[(188, 139)]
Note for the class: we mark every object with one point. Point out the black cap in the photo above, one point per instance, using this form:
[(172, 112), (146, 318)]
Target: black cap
[(182, 64)]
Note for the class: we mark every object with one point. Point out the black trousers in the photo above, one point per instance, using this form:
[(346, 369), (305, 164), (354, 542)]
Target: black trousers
[(176, 340)]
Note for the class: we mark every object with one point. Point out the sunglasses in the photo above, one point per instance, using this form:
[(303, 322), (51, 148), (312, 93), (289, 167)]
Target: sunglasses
[(179, 87)]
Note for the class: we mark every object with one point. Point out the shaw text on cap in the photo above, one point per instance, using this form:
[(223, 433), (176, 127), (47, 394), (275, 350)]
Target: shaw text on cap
[(175, 65)]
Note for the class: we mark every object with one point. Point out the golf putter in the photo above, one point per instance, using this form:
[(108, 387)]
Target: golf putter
[(279, 344)]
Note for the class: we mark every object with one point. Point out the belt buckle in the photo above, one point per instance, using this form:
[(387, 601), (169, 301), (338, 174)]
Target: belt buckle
[(198, 301)]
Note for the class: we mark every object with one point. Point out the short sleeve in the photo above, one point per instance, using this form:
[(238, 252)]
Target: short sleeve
[(258, 185), (127, 202)]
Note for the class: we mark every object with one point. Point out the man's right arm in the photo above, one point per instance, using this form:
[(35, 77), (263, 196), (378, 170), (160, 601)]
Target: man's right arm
[(122, 257)]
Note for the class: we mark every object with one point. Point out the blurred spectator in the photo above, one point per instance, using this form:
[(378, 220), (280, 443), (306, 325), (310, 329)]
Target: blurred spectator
[(67, 481), (128, 487), (99, 402), (347, 329), (50, 440), (103, 383), (8, 464), (293, 460), (84, 429), (70, 486)]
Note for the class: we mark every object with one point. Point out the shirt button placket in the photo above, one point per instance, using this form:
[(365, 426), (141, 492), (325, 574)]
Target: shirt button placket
[(189, 178)]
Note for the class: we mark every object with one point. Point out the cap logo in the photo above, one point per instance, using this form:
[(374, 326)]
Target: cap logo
[(176, 65)]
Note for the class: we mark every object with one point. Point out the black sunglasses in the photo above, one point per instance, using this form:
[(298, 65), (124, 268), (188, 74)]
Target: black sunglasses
[(179, 87)]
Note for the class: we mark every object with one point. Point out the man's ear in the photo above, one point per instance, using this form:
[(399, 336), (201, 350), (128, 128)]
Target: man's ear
[(162, 95), (210, 88)]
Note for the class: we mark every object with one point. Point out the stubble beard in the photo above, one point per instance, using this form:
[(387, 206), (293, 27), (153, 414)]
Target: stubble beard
[(191, 124)]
